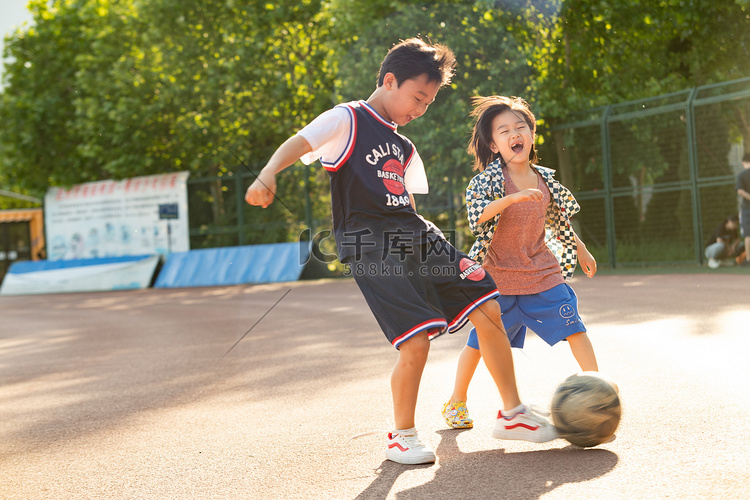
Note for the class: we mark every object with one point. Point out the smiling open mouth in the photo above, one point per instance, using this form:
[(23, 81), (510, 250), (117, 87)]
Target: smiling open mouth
[(517, 147)]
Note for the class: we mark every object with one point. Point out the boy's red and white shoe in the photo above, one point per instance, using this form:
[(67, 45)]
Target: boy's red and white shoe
[(405, 448), (524, 425)]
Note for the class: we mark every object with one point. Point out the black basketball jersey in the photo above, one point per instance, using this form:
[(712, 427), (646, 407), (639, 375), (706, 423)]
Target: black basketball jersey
[(370, 203)]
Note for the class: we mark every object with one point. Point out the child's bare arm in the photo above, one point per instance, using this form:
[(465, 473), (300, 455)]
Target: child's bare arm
[(497, 206), (263, 189), (585, 259)]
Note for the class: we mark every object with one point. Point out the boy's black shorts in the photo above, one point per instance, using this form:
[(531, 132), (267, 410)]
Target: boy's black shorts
[(429, 287)]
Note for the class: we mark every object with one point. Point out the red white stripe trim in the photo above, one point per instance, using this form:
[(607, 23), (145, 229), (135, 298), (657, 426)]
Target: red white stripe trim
[(396, 445), (333, 167), (375, 114), (525, 426), (407, 163), (463, 317), (433, 323)]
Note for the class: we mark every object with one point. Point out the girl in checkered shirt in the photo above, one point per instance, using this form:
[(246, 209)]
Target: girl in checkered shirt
[(520, 215)]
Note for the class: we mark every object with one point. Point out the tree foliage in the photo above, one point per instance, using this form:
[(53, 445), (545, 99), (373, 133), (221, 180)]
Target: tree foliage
[(589, 53), (99, 89), (112, 89)]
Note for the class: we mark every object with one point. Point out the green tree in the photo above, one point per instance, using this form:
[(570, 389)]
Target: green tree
[(38, 137), (110, 89), (102, 89)]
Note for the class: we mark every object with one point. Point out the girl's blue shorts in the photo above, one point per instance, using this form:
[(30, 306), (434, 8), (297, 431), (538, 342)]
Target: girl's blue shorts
[(552, 315)]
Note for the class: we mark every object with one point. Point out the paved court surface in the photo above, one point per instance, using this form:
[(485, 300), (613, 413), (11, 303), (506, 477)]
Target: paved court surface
[(132, 395)]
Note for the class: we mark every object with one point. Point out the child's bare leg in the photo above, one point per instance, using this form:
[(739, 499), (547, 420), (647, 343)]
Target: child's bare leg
[(495, 348), (405, 379), (467, 365), (583, 351)]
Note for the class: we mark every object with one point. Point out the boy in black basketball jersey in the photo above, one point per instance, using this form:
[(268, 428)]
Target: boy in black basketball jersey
[(417, 285)]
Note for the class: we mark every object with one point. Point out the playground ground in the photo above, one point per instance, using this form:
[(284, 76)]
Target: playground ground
[(141, 395)]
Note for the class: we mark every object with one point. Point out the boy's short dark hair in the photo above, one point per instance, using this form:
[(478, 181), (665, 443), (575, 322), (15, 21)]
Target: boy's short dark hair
[(485, 110), (746, 158), (413, 57)]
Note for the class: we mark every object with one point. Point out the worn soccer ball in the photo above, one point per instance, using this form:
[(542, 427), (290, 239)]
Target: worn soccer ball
[(586, 409)]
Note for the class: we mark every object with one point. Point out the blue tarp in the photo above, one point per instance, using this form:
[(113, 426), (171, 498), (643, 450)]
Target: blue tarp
[(32, 266), (271, 263)]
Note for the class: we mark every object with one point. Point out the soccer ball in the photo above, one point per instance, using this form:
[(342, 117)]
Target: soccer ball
[(586, 409)]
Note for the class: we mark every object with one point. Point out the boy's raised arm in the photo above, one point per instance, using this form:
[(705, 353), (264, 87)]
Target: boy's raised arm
[(261, 192)]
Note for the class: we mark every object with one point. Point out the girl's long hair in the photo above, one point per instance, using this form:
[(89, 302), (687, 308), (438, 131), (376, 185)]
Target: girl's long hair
[(485, 110)]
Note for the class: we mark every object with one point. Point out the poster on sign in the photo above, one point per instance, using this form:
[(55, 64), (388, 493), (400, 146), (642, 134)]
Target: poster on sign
[(117, 218)]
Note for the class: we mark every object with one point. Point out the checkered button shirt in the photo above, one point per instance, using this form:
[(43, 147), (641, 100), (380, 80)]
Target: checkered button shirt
[(489, 186)]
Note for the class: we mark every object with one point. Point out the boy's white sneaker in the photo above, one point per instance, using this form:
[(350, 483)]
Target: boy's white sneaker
[(406, 448), (524, 425)]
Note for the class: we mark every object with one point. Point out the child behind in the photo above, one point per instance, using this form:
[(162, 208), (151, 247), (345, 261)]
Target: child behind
[(511, 204), (743, 190), (373, 172)]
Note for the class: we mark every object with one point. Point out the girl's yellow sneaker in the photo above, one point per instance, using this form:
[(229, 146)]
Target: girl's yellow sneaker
[(457, 415)]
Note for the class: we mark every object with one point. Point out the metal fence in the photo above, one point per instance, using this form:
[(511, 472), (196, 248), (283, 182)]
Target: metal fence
[(218, 215), (654, 177)]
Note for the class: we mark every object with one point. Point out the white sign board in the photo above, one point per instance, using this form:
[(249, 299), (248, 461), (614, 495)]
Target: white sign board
[(116, 218)]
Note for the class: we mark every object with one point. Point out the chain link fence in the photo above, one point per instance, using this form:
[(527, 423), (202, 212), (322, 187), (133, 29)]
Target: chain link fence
[(654, 177)]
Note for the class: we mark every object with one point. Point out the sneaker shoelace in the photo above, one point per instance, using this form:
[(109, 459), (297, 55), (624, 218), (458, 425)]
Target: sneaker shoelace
[(413, 441), (536, 414), (538, 410)]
